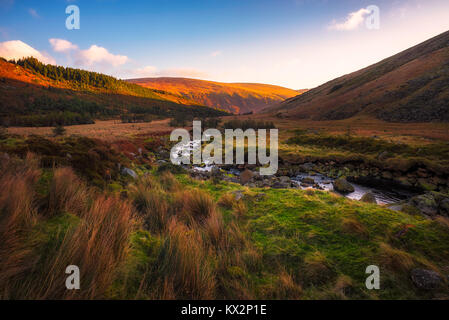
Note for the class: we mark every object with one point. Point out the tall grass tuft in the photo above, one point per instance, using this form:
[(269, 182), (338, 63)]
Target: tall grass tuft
[(36, 248), (184, 263), (67, 193)]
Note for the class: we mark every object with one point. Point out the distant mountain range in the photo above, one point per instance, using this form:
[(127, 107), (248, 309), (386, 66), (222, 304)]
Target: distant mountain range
[(412, 86), (35, 94), (236, 98)]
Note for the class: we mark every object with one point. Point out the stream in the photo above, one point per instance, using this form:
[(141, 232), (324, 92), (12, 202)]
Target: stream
[(384, 196)]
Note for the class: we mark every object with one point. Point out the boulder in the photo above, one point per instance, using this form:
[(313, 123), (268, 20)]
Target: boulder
[(285, 180), (426, 204), (444, 207), (343, 186), (426, 279), (246, 176), (368, 198)]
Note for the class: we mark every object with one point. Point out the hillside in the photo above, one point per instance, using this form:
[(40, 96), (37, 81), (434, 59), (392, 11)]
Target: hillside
[(232, 97), (412, 86), (34, 94)]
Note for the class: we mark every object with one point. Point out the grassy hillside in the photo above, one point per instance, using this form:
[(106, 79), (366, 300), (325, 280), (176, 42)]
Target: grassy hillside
[(412, 86), (232, 97), (34, 94), (166, 236)]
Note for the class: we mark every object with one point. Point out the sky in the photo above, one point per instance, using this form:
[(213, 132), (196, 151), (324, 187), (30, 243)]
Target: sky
[(293, 43)]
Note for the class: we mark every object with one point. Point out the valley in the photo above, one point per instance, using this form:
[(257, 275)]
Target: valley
[(363, 179)]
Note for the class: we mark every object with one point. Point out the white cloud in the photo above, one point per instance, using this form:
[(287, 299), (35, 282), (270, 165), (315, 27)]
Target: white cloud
[(216, 53), (17, 49), (352, 22), (96, 54), (93, 56), (61, 45)]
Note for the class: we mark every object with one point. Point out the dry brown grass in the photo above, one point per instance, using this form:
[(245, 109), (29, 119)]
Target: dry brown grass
[(227, 201), (18, 215), (240, 209), (34, 268), (185, 265), (168, 182), (353, 226), (317, 269), (98, 245), (443, 221), (151, 203), (287, 287), (67, 193), (109, 130), (395, 259), (343, 286), (194, 206)]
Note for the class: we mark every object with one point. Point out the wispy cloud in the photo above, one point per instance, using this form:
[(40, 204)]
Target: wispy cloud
[(148, 71), (216, 53), (152, 71), (17, 49), (33, 13), (353, 21)]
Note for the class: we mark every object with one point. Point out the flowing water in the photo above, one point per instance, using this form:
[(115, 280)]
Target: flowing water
[(383, 195)]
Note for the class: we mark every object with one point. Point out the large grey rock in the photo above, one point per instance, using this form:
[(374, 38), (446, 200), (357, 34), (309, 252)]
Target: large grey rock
[(426, 279), (343, 186), (285, 180), (368, 198), (426, 204), (444, 207)]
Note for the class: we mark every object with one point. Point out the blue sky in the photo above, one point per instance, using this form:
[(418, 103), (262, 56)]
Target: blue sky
[(294, 43)]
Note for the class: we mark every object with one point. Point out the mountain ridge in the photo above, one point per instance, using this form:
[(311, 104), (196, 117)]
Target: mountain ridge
[(235, 97), (37, 94), (411, 86)]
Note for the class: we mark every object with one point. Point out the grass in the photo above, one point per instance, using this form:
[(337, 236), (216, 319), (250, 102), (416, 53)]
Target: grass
[(180, 238), (40, 241)]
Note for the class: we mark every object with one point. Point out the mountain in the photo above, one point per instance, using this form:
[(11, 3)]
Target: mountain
[(35, 94), (232, 97), (411, 86)]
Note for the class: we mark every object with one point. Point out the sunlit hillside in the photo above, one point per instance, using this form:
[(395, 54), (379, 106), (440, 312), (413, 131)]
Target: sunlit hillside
[(35, 94), (232, 97)]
